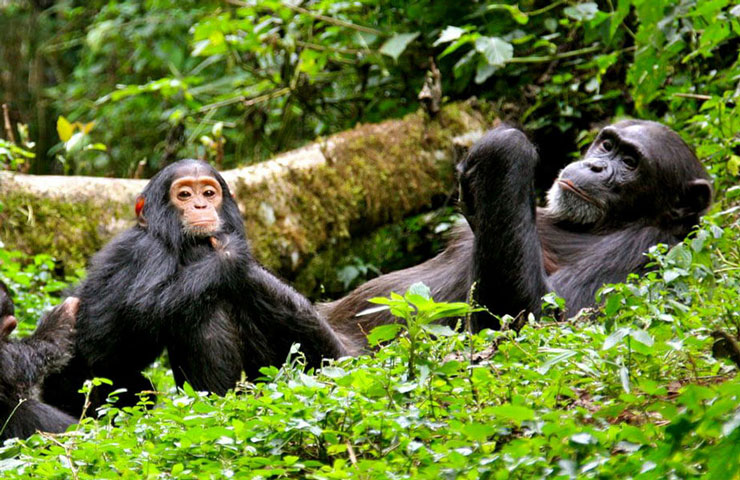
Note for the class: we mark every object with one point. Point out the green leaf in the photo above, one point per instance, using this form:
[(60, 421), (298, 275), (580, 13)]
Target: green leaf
[(582, 11), (449, 34), (371, 310), (74, 142), (555, 360), (478, 432), (624, 377), (643, 337), (514, 413), (583, 438), (395, 46), (438, 330), (495, 50), (420, 290), (519, 17), (615, 338), (733, 165), (680, 255), (384, 333), (484, 72)]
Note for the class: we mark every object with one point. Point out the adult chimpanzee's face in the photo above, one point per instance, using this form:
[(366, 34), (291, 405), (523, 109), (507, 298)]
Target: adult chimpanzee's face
[(197, 196), (588, 190)]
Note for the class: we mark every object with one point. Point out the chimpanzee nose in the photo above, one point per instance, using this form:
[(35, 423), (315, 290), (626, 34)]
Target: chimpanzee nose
[(596, 166)]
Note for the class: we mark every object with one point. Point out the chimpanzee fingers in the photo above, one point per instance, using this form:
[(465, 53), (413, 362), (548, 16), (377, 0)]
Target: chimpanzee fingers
[(70, 307), (504, 147), (62, 318), (216, 243)]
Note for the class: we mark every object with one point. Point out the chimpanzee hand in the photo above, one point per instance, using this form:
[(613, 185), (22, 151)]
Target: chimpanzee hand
[(497, 172), (58, 325), (226, 245), (53, 340)]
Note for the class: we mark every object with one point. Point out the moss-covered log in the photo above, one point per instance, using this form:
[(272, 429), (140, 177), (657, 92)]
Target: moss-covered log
[(293, 205)]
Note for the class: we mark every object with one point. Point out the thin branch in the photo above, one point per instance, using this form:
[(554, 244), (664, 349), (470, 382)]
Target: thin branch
[(323, 48), (557, 56), (247, 101), (222, 103), (695, 96), (351, 451), (8, 125), (267, 96), (67, 453), (544, 9)]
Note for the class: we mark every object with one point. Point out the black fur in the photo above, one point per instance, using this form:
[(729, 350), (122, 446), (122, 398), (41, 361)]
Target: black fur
[(638, 185), (217, 311), (23, 366)]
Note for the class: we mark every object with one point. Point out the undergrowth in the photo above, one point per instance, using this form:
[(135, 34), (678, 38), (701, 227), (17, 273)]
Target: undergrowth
[(636, 389)]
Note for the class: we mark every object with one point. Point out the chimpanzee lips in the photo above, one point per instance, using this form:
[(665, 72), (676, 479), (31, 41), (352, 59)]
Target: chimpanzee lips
[(570, 186)]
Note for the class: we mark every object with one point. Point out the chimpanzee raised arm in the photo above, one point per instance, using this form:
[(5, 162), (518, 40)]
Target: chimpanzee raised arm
[(497, 197)]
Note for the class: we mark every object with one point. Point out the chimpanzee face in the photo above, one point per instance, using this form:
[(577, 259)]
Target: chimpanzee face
[(197, 196), (586, 190), (622, 171)]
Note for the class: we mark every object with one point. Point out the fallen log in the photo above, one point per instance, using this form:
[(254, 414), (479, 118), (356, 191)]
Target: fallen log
[(293, 205)]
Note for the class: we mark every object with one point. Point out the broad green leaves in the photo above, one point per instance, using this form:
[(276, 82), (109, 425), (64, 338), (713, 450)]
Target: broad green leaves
[(495, 50), (635, 394), (395, 46)]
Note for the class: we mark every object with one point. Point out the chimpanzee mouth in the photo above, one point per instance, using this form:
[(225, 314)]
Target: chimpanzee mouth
[(570, 186)]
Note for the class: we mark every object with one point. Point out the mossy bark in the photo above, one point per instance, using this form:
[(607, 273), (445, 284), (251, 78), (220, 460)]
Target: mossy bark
[(293, 205)]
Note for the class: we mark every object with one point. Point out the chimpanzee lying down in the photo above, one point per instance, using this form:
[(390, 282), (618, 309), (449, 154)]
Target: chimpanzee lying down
[(25, 363), (638, 185)]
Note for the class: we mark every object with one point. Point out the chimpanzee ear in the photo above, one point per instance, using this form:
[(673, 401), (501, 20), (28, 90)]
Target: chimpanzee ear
[(139, 210), (696, 198)]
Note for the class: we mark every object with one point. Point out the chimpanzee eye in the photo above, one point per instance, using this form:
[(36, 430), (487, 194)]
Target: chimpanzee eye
[(607, 145), (630, 162), (183, 195), (209, 193)]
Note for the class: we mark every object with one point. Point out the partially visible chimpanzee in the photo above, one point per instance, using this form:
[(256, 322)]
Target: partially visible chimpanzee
[(184, 278), (25, 363), (638, 185)]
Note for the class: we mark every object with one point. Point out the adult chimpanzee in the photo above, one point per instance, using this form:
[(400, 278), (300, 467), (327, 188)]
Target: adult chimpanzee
[(25, 363), (638, 185), (184, 278)]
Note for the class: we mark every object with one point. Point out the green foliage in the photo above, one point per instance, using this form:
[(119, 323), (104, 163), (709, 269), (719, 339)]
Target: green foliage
[(157, 77), (32, 282), (630, 390), (13, 156), (636, 396)]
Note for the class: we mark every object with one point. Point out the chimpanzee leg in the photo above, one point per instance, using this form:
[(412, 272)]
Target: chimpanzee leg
[(208, 354), (32, 415)]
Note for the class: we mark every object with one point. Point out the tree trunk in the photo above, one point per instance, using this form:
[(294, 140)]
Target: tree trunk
[(293, 205)]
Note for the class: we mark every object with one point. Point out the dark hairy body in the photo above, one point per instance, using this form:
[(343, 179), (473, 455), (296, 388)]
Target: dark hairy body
[(638, 185), (25, 363), (184, 279)]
